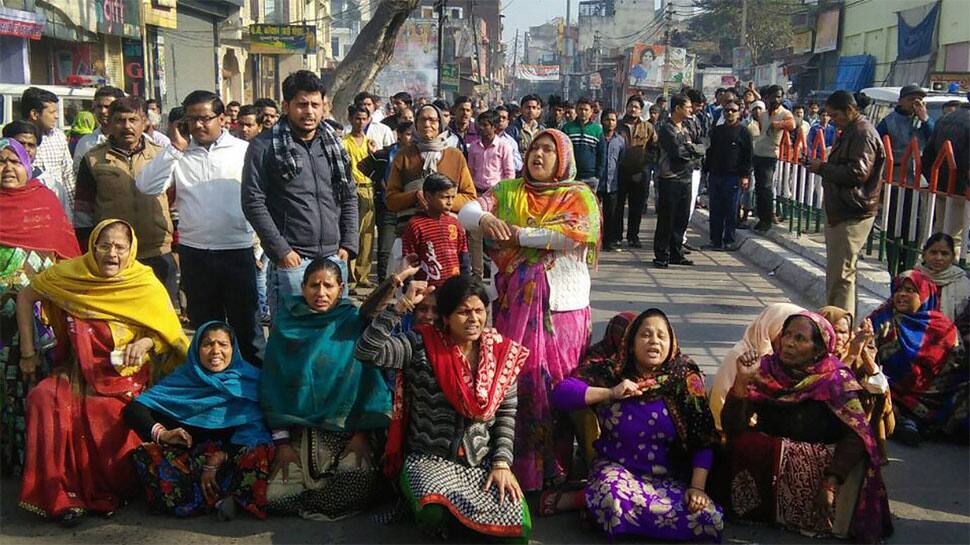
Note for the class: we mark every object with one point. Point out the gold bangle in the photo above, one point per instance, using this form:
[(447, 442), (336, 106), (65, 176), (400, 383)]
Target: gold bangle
[(500, 464)]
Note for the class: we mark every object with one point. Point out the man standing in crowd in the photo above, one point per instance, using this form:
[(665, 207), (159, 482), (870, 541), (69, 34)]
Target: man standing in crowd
[(298, 192), (269, 112), (375, 130), (106, 189), (402, 105), (39, 108), (585, 136), (490, 160), (527, 125), (641, 150), (610, 150), (772, 124), (678, 156), (215, 241), (908, 120), (814, 113), (461, 124), (825, 130), (801, 124), (852, 179), (232, 115), (728, 165), (358, 147), (247, 124), (557, 112), (103, 98), (503, 117), (951, 212)]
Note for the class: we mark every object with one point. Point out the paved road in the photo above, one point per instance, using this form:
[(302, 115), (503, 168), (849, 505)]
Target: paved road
[(710, 305)]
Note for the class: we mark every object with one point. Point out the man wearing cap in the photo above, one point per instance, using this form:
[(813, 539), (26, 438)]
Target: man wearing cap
[(908, 120)]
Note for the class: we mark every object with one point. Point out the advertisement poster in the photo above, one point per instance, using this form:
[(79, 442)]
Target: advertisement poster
[(647, 66), (76, 64), (283, 39), (537, 72), (134, 57), (827, 31), (413, 68)]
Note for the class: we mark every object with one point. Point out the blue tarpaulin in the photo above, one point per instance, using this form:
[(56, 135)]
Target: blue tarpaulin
[(916, 40), (855, 73)]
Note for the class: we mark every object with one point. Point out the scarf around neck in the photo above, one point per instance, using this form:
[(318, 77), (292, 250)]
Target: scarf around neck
[(431, 149), (290, 165), (197, 397)]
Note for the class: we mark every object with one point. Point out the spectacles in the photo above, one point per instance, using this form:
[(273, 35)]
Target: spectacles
[(193, 119), (732, 110), (105, 248)]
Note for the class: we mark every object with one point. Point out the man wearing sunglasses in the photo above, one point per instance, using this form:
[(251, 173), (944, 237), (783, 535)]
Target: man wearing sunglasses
[(728, 164)]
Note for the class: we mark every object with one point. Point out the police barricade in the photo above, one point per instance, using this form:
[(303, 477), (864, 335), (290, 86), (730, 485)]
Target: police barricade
[(798, 192)]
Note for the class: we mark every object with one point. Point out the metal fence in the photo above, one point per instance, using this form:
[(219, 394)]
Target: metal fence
[(915, 202)]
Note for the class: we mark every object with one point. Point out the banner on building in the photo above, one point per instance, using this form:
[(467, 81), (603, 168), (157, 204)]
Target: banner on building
[(133, 54), (647, 66), (742, 59), (414, 66), (282, 39), (827, 31), (916, 28), (595, 81), (78, 64), (802, 42), (537, 72), (21, 24), (449, 77)]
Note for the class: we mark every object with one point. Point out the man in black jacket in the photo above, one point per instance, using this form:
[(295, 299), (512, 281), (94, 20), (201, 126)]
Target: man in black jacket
[(678, 156), (728, 164), (297, 192)]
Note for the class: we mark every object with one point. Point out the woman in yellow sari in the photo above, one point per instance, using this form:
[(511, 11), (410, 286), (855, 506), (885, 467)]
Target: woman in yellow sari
[(115, 328)]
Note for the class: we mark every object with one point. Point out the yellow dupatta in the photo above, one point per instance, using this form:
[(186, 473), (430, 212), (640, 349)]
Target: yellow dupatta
[(133, 297)]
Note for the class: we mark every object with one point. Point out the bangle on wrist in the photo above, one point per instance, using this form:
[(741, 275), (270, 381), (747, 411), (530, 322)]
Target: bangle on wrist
[(500, 464), (27, 356), (697, 488), (207, 467)]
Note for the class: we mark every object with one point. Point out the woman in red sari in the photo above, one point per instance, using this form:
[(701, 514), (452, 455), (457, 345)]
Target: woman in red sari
[(114, 325)]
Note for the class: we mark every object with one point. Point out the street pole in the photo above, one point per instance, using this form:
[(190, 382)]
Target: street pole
[(565, 48), (744, 22), (515, 62), (441, 35), (666, 66)]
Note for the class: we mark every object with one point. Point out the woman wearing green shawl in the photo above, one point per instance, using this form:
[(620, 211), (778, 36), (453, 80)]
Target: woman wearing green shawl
[(321, 403), (84, 123)]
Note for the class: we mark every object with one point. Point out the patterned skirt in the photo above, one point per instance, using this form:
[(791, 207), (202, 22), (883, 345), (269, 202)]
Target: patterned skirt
[(431, 483), (326, 487), (774, 479), (171, 477), (647, 505)]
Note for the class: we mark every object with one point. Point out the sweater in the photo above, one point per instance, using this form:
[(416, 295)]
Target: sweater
[(585, 139), (730, 151), (408, 167), (434, 426)]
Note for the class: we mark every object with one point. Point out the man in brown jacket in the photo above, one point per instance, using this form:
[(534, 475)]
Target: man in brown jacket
[(106, 187), (852, 180), (641, 151)]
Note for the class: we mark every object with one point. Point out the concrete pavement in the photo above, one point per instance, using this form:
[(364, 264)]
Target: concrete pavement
[(710, 305)]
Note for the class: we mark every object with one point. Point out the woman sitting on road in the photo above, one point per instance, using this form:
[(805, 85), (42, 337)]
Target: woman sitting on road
[(939, 255), (321, 403), (654, 417), (857, 350), (915, 345), (451, 439), (206, 445), (34, 234), (782, 416), (115, 328), (757, 338)]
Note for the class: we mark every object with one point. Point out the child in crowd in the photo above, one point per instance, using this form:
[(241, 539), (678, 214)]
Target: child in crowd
[(436, 236)]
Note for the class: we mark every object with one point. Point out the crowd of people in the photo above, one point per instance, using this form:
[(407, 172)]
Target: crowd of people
[(464, 382)]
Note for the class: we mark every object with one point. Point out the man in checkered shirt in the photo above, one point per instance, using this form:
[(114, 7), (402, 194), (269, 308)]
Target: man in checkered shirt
[(39, 108)]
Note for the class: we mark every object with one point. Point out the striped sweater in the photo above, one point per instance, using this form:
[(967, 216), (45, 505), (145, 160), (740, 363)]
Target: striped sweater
[(434, 426), (585, 139)]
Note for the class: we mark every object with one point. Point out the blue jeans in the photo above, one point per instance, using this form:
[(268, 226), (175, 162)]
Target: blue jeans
[(282, 283), (261, 285), (724, 195)]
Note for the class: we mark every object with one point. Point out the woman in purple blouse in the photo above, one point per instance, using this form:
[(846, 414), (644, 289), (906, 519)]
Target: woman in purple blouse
[(654, 451)]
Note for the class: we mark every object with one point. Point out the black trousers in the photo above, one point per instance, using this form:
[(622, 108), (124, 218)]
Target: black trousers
[(386, 222), (634, 194), (764, 191), (612, 228), (221, 285), (167, 273), (673, 213)]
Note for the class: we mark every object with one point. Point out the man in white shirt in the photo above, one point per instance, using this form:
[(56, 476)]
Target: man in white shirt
[(103, 98), (375, 130), (215, 240), (39, 108), (503, 123)]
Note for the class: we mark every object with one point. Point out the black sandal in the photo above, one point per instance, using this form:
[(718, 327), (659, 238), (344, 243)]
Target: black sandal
[(72, 517)]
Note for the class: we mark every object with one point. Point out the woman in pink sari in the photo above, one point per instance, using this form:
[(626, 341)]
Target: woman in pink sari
[(544, 232)]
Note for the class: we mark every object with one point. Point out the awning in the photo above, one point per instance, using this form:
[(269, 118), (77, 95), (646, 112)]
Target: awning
[(855, 73)]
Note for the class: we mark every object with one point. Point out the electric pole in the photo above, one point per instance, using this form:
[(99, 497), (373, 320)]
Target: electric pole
[(441, 37), (563, 67), (668, 15), (744, 23), (515, 61)]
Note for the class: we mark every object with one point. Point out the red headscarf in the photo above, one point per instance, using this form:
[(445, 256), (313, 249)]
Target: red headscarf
[(32, 218)]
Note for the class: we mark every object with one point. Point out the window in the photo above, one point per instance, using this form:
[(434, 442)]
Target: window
[(254, 10), (455, 13), (427, 12), (335, 47)]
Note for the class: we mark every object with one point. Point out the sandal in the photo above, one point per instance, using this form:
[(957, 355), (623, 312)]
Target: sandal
[(549, 502), (72, 517)]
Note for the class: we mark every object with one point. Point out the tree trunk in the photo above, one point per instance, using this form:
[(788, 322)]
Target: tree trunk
[(370, 53)]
